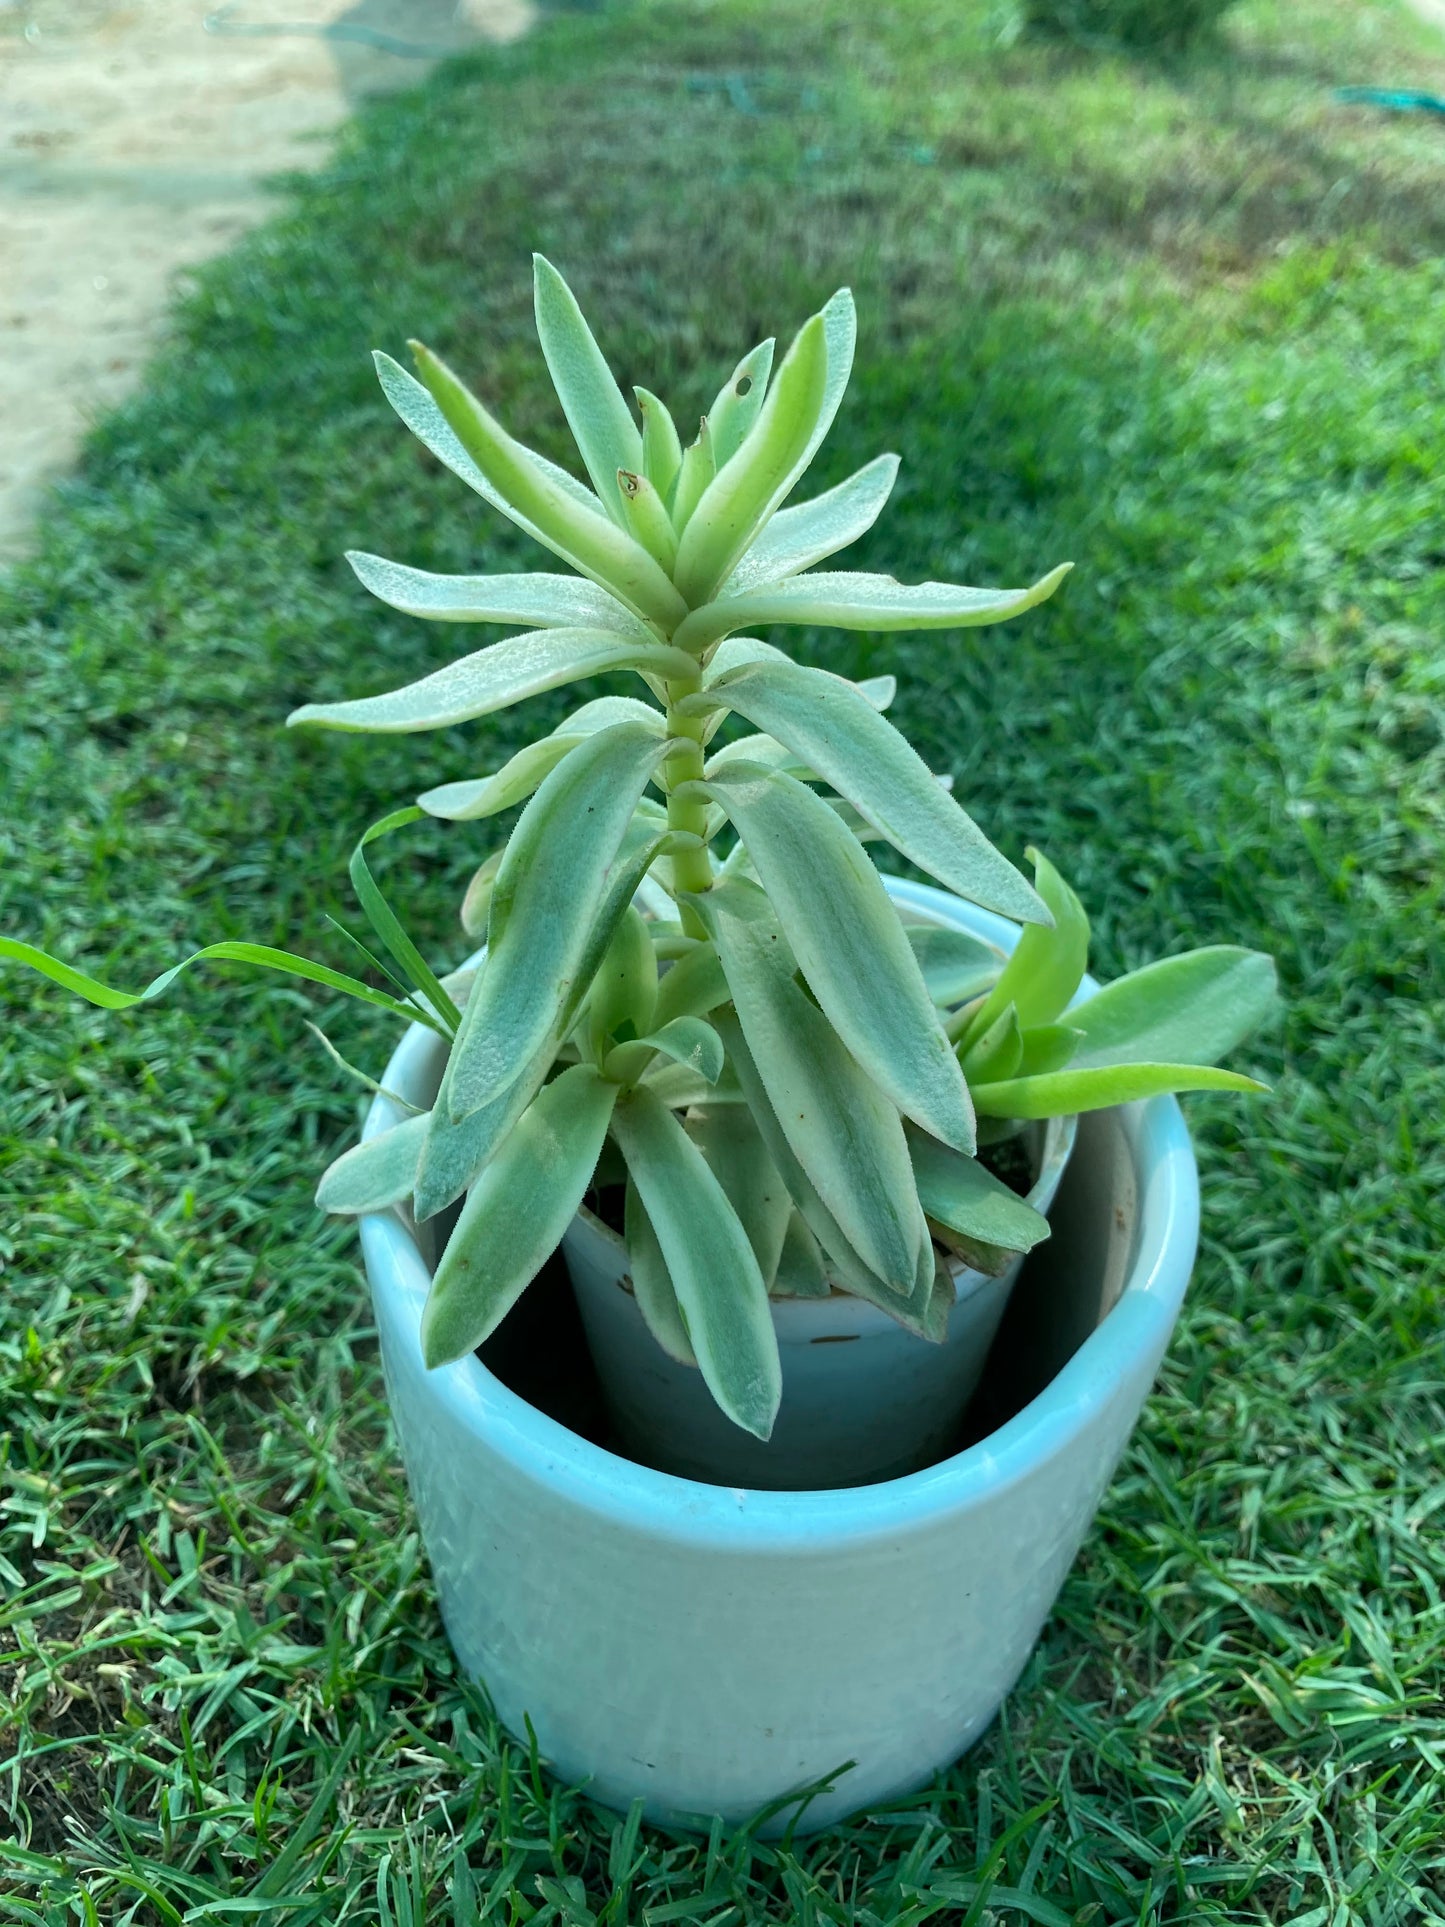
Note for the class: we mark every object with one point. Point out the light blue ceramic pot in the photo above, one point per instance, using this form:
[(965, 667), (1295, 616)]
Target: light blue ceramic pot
[(714, 1649)]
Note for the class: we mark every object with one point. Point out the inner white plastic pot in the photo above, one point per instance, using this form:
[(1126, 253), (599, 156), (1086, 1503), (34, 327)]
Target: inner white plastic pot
[(863, 1399)]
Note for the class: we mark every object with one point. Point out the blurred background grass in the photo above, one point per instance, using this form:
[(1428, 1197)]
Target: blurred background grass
[(1177, 320)]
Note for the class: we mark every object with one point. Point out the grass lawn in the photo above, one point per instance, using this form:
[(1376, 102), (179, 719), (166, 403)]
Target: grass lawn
[(1181, 324)]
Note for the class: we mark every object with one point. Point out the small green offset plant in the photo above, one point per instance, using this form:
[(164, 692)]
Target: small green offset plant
[(693, 981)]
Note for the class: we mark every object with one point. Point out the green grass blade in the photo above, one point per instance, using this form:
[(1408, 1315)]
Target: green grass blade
[(388, 926), (720, 1291), (516, 1212)]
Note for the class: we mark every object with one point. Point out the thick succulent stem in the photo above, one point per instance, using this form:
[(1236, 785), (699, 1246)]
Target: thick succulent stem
[(691, 869)]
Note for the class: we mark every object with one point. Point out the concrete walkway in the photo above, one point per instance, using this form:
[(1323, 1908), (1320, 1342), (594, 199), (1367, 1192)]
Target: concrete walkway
[(134, 138)]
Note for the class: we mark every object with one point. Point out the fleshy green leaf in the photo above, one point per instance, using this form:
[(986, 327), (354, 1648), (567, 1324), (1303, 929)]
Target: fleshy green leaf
[(515, 781), (955, 966), (960, 1196), (879, 690), (516, 1213), (645, 517), (798, 537), (601, 422), (697, 470), (477, 902), (1047, 1047), (427, 422), (739, 401), (842, 1131), (539, 601), (545, 903), (624, 990), (801, 1272), (686, 1040), (738, 1158), (831, 726), (997, 1052), (581, 535), (1061, 1093), (376, 1174), (651, 1285), (1191, 1009), (494, 678), (911, 1308), (850, 945), (843, 600), (719, 1288), (661, 444), (692, 986), (1046, 965), (745, 491)]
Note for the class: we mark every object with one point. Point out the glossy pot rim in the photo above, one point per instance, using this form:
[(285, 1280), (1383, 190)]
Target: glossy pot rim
[(638, 1498)]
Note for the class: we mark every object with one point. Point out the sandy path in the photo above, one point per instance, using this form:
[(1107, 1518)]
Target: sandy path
[(133, 143)]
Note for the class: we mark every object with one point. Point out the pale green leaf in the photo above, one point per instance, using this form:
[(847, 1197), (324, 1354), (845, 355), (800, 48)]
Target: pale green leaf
[(997, 1052), (539, 601), (1047, 1047), (850, 945), (494, 678), (739, 401), (661, 445), (843, 600), (601, 422), (688, 1041), (798, 537), (549, 891), (1061, 1093), (692, 986), (720, 1291), (733, 652), (645, 517), (515, 781), (580, 534), (831, 727), (746, 490), (623, 995), (373, 1175), (1047, 963), (477, 902), (738, 1158), (960, 1196), (1191, 1009), (842, 1131), (430, 426), (802, 1271), (879, 690), (651, 1285), (693, 476), (955, 966), (909, 1305), (516, 1213)]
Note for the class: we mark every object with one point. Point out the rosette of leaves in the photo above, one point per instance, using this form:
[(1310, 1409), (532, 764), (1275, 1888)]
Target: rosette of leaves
[(693, 981), (787, 1079)]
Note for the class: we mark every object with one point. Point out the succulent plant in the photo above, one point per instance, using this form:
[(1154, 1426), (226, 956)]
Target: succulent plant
[(693, 978)]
